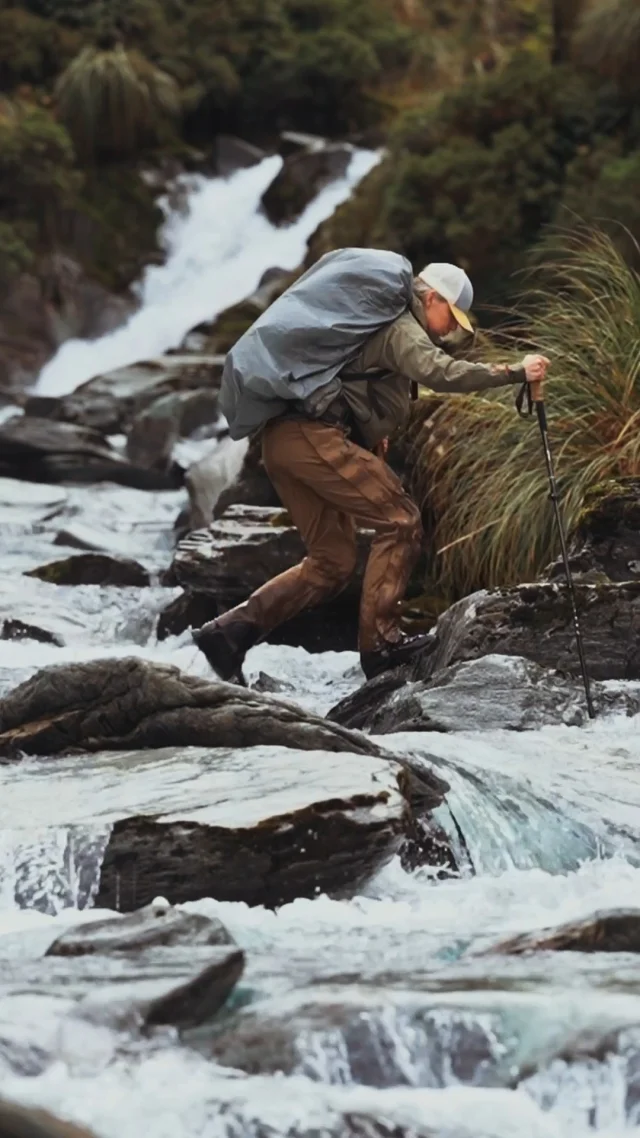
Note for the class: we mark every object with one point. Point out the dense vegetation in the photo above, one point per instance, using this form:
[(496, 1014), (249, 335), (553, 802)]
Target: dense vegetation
[(90, 89)]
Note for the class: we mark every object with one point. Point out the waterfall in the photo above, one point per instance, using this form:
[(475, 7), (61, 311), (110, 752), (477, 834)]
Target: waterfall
[(216, 253)]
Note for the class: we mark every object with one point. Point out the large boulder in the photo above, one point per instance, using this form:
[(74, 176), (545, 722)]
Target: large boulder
[(208, 479), (301, 178), (261, 826), (120, 703), (41, 450), (111, 402), (491, 693), (536, 621)]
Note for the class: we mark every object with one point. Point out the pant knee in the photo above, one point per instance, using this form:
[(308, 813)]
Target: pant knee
[(332, 574)]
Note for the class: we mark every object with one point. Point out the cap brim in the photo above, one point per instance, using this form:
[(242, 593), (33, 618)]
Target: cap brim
[(461, 317)]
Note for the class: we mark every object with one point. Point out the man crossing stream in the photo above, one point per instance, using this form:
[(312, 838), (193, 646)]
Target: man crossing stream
[(327, 375)]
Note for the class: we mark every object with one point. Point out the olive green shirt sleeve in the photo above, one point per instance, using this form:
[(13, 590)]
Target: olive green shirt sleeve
[(405, 348)]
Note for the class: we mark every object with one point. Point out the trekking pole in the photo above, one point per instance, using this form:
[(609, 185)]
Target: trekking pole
[(534, 394)]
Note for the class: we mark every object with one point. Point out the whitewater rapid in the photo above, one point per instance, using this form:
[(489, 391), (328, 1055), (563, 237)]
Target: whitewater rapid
[(216, 253), (552, 819)]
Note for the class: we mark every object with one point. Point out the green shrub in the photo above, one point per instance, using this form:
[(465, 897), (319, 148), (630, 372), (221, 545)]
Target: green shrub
[(481, 468), (15, 254), (113, 102), (37, 174)]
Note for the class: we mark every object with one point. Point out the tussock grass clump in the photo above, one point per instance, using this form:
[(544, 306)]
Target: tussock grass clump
[(479, 467)]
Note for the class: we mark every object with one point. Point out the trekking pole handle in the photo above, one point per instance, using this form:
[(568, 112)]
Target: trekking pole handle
[(537, 391)]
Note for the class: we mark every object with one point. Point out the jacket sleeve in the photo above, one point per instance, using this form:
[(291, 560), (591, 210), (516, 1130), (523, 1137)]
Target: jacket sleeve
[(405, 348)]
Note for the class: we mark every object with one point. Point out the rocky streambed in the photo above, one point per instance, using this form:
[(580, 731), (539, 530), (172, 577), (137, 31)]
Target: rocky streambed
[(308, 906)]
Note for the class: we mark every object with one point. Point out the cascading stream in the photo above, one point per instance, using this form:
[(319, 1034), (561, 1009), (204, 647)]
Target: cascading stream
[(387, 986), (216, 254)]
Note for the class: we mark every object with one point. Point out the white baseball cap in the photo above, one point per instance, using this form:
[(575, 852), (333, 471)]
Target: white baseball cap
[(454, 286)]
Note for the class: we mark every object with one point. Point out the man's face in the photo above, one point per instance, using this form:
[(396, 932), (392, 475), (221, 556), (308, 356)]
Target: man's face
[(440, 319)]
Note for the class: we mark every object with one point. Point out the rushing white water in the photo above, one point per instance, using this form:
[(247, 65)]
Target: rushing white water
[(551, 819), (216, 254)]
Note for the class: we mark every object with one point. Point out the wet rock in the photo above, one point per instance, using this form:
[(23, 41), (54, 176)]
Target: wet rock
[(536, 621), (155, 431), (151, 1003), (301, 178), (92, 569), (607, 537), (233, 154), (303, 824), (110, 402), (491, 693), (251, 485), (156, 925), (122, 703), (345, 1034), (14, 629), (242, 550), (26, 1122), (40, 450), (42, 309), (609, 930), (182, 985)]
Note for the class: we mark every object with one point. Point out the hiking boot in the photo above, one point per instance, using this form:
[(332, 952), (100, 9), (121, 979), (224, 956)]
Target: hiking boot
[(395, 653), (225, 645)]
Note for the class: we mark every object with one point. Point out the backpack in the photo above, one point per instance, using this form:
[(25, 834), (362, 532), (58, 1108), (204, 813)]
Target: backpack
[(299, 345)]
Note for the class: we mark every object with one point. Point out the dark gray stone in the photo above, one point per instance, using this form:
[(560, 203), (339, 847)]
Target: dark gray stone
[(156, 925), (41, 450), (92, 569), (301, 178), (536, 621), (490, 693)]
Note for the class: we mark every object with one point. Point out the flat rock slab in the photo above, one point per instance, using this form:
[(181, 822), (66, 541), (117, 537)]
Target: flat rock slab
[(490, 693), (110, 402), (41, 450), (156, 925), (122, 703), (244, 549), (613, 930), (263, 826), (93, 569), (536, 621)]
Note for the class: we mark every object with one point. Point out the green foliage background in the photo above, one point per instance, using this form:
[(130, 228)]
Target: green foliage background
[(499, 115)]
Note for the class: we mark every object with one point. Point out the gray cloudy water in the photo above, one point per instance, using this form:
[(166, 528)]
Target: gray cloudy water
[(470, 1046)]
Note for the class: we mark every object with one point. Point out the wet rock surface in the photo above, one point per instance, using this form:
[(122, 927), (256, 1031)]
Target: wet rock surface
[(111, 402), (615, 930), (491, 693), (607, 537), (156, 925), (536, 621), (92, 569), (41, 450), (302, 176), (132, 703)]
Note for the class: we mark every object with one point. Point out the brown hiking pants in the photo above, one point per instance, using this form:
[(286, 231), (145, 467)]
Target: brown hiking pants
[(329, 485)]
